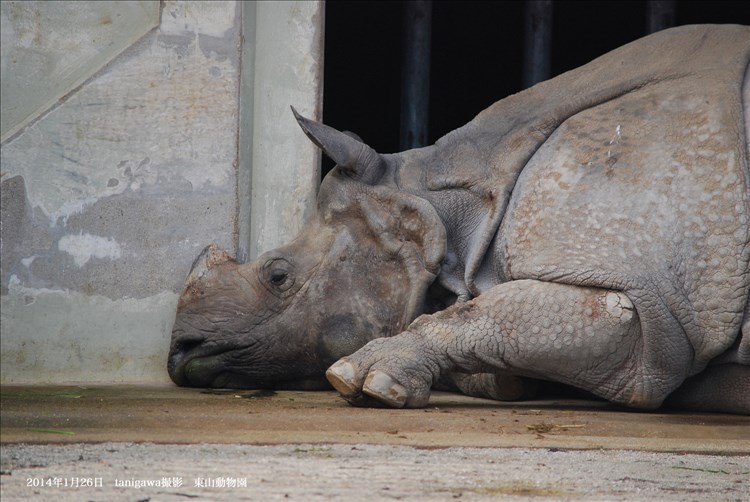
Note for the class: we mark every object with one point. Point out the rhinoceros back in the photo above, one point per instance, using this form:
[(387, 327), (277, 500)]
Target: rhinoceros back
[(648, 193)]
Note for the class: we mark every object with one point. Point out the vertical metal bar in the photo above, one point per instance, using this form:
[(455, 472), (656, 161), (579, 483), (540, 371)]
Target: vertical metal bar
[(660, 15), (415, 79), (537, 41)]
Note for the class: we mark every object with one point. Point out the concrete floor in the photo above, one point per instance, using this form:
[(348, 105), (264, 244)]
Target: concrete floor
[(43, 426), (178, 415)]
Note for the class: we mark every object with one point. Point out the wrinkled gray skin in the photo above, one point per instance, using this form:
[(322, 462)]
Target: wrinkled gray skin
[(593, 230)]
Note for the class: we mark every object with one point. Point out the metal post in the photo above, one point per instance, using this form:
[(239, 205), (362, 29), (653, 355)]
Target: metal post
[(660, 15), (537, 41), (415, 79)]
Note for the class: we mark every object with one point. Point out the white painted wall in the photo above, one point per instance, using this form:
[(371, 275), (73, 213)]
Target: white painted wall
[(109, 193)]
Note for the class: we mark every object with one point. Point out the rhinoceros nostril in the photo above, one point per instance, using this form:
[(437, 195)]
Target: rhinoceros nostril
[(186, 346), (180, 349)]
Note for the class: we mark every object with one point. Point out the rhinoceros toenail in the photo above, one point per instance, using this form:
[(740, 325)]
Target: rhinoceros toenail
[(383, 387), (341, 376)]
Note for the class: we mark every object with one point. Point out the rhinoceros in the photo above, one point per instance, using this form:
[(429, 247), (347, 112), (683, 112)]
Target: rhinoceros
[(592, 230)]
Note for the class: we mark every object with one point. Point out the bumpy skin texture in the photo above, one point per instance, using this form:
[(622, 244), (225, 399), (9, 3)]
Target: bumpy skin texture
[(531, 328), (643, 195), (593, 230)]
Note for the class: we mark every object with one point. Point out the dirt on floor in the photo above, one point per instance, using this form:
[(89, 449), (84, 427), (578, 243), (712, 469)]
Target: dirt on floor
[(169, 443)]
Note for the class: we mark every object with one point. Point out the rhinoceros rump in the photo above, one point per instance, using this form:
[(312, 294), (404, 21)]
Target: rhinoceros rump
[(593, 230)]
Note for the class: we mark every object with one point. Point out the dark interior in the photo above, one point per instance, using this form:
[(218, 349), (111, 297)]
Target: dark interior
[(477, 51)]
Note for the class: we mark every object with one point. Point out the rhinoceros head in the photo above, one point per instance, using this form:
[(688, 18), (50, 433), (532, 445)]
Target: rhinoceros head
[(359, 270)]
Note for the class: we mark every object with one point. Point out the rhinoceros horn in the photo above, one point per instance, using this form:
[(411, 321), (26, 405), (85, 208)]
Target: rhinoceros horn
[(353, 157), (209, 258)]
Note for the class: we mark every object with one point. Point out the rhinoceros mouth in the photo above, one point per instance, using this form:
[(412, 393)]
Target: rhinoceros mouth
[(211, 371), (203, 371), (184, 359)]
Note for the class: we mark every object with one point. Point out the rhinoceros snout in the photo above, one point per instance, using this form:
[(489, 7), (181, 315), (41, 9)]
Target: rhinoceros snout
[(181, 349), (178, 358)]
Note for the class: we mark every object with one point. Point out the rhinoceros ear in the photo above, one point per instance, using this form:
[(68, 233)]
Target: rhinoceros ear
[(353, 157), (407, 229)]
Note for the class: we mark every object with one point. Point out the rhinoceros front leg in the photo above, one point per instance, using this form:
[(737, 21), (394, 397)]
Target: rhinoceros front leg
[(498, 386), (585, 337)]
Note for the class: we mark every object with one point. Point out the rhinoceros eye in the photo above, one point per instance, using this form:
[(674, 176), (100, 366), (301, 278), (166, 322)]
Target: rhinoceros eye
[(278, 277), (278, 273)]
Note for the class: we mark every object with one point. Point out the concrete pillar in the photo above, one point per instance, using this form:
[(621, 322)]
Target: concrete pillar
[(279, 166)]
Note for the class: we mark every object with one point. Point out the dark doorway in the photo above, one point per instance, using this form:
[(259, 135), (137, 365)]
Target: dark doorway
[(477, 51)]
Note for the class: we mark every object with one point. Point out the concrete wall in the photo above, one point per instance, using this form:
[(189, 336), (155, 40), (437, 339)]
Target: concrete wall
[(285, 68), (112, 188)]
